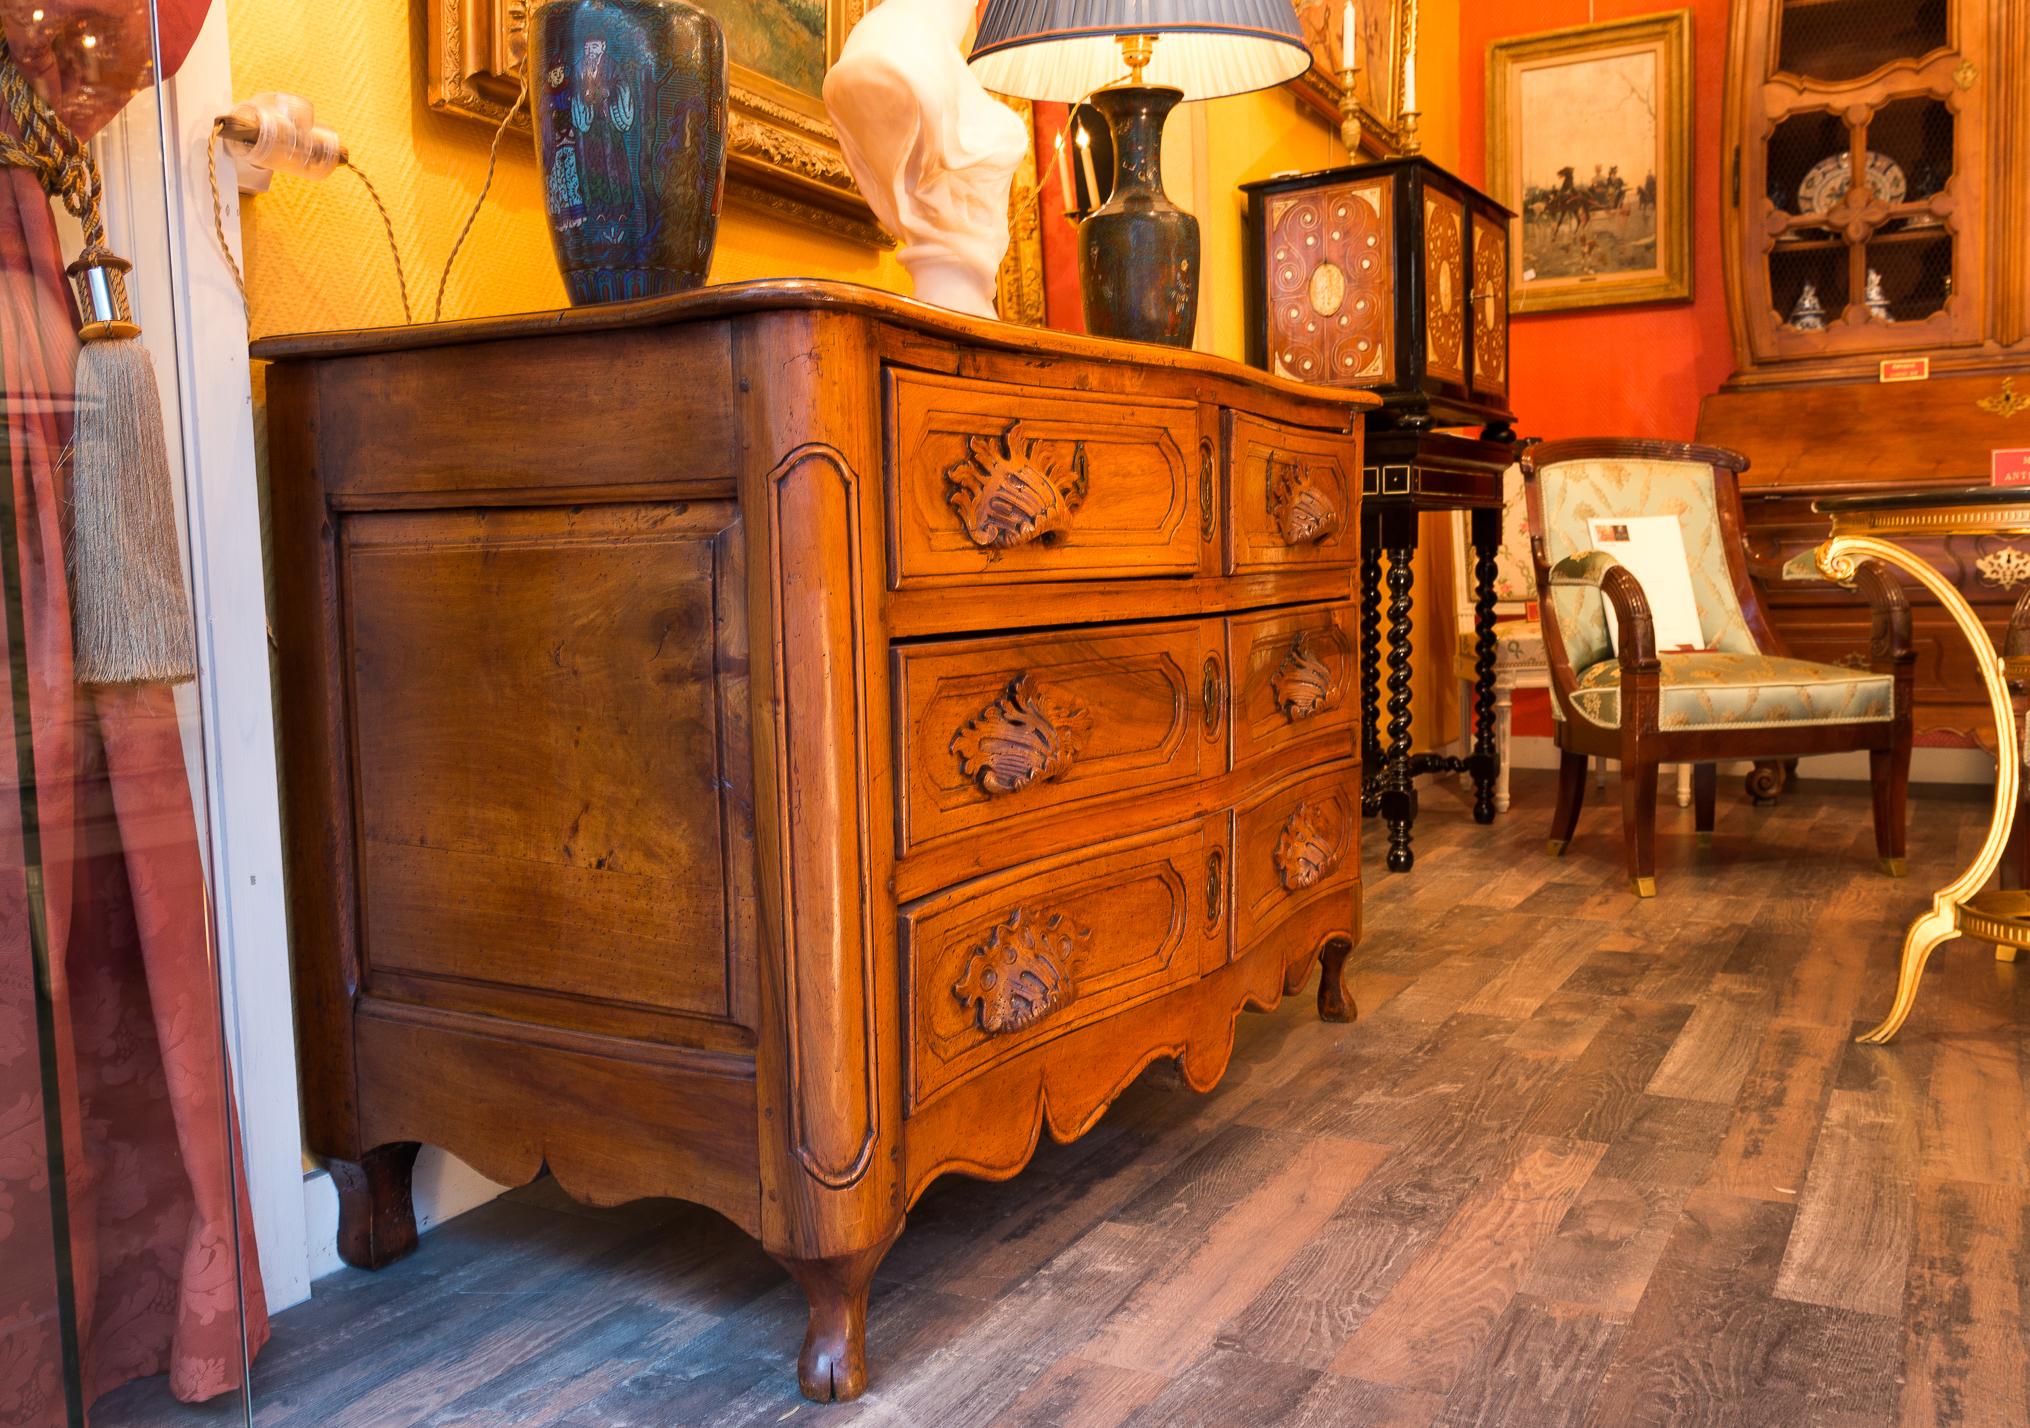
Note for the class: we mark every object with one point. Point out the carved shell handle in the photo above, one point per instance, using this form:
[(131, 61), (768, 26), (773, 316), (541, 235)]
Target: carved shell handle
[(1305, 508), (1307, 684), (1006, 497), (1021, 972), (1311, 846), (1029, 734)]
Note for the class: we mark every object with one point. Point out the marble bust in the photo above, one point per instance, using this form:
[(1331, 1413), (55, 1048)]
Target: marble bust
[(932, 151)]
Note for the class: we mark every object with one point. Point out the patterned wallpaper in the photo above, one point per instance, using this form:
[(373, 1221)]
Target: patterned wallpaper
[(316, 254)]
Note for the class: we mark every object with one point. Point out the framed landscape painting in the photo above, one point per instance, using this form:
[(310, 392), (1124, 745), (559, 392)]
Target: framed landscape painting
[(1589, 139)]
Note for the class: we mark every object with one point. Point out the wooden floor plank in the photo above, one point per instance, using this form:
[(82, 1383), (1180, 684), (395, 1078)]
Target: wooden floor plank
[(1776, 1117), (1439, 1314), (1078, 1393), (1850, 1248), (1173, 1317), (1775, 1226), (1602, 1253), (1541, 1366), (1712, 1055), (1964, 1358)]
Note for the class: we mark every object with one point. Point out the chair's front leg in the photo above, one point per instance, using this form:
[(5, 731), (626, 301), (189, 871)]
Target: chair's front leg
[(1638, 822)]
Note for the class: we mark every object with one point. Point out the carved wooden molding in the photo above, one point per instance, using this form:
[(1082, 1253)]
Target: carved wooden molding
[(1311, 846), (1022, 972), (1305, 684), (1005, 498), (1027, 735), (1306, 509)]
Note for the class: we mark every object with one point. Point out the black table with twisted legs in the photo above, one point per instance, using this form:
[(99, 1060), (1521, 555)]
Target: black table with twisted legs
[(1408, 473)]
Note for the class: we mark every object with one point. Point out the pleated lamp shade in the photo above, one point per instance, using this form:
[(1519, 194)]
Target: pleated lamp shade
[(1065, 49)]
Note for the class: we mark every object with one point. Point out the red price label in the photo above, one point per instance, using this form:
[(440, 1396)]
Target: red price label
[(1905, 369), (2011, 467)]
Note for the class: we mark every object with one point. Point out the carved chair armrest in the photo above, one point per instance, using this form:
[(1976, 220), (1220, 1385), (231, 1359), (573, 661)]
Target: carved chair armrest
[(1597, 569), (1889, 641)]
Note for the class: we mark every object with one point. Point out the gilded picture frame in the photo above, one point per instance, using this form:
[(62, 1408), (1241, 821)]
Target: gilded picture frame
[(1573, 117), (782, 155), (1378, 85)]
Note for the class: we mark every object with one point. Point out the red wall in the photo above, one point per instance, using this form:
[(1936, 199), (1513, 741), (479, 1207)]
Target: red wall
[(1616, 371)]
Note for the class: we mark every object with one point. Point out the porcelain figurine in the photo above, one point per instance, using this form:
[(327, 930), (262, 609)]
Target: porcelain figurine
[(1875, 299), (1808, 314), (932, 151)]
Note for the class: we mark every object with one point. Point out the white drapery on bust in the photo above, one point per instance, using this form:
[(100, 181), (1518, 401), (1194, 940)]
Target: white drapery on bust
[(932, 151)]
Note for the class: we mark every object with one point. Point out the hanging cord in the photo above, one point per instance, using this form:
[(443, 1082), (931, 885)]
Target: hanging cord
[(492, 158), (218, 221), (394, 249), (218, 210)]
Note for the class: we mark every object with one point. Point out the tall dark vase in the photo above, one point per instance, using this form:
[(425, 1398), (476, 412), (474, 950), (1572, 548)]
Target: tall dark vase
[(629, 98), (1138, 251)]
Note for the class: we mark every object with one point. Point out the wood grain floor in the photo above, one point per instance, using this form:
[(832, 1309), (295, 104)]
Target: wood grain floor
[(1582, 1161)]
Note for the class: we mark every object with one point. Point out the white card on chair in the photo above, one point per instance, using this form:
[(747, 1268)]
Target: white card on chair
[(1653, 550)]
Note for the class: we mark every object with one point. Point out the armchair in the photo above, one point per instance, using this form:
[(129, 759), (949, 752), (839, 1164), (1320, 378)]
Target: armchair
[(1742, 696)]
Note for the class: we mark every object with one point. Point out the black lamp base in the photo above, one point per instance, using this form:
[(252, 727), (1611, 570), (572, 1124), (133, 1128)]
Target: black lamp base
[(1138, 251)]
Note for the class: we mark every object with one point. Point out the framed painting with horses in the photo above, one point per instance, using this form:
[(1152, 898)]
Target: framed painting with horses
[(1589, 139)]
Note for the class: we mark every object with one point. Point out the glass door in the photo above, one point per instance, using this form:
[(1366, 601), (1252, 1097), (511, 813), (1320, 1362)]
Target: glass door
[(1861, 192), (129, 1285)]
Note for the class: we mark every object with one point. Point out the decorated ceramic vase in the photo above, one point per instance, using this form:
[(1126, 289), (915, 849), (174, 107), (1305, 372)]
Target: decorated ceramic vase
[(629, 99), (1138, 251)]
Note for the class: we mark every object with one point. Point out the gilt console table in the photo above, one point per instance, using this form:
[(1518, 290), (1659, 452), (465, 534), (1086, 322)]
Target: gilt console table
[(1885, 527), (780, 744)]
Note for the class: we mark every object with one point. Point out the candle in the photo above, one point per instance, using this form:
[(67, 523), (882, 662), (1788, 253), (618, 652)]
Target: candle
[(1410, 64), (1064, 174), (1085, 159), (1349, 26)]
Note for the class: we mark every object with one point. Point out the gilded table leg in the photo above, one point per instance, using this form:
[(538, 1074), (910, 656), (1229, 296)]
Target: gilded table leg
[(1836, 560)]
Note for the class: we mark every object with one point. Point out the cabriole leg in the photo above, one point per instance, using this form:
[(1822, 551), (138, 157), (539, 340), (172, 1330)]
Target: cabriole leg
[(1334, 1002), (833, 1364), (376, 1213)]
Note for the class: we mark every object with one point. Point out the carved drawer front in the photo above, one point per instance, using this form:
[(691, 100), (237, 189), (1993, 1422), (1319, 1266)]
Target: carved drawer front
[(1293, 680), (1292, 494), (1025, 483), (1002, 964), (1293, 845), (1001, 729)]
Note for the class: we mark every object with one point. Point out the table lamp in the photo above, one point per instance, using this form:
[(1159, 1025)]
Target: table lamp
[(1136, 59)]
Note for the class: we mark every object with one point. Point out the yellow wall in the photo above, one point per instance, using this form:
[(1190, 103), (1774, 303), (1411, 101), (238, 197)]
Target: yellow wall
[(317, 256)]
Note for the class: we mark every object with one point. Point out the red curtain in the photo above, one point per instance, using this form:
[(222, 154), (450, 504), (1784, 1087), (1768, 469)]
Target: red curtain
[(149, 1148)]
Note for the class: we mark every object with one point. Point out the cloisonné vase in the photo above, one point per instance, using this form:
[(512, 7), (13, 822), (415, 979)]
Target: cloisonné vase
[(1138, 251), (629, 98)]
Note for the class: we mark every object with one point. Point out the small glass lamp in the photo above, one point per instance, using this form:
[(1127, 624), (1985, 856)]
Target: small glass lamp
[(1137, 59)]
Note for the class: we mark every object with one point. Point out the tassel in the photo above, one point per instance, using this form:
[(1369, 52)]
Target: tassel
[(130, 613)]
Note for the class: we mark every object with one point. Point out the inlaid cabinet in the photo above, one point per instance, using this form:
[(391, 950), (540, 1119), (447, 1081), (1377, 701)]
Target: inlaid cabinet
[(1391, 276), (778, 745)]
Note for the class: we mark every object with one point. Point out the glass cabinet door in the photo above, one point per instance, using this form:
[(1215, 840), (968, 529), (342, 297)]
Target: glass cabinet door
[(1858, 187), (126, 1265)]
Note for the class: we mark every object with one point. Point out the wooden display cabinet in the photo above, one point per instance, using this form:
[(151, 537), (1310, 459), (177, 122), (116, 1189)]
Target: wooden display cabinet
[(1878, 137), (1880, 151)]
